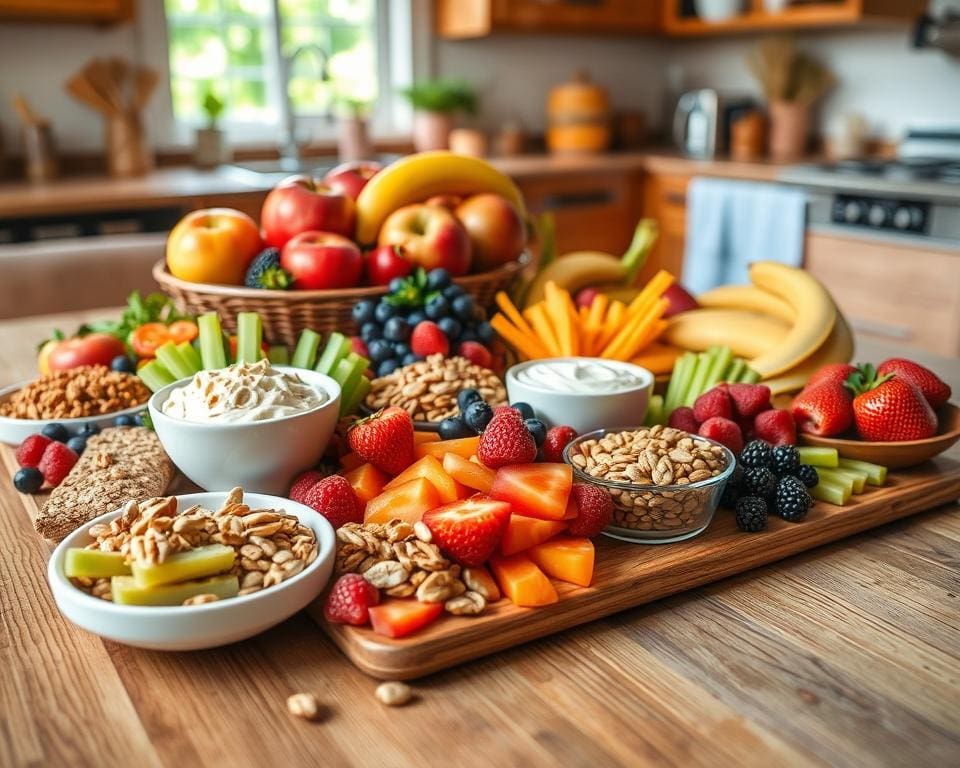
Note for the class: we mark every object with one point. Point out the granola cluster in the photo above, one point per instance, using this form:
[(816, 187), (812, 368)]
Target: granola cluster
[(90, 390)]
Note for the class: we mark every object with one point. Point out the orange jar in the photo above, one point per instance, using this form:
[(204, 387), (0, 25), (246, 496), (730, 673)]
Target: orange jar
[(578, 117)]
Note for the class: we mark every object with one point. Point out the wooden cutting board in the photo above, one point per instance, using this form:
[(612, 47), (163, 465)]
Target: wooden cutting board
[(629, 575)]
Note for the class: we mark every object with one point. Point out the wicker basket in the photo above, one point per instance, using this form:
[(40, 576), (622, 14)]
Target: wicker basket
[(286, 313)]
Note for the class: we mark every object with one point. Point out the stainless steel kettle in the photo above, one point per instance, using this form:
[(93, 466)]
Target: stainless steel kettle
[(696, 123)]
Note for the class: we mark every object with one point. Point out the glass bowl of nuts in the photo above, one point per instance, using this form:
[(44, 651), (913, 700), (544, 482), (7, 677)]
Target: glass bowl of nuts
[(665, 483)]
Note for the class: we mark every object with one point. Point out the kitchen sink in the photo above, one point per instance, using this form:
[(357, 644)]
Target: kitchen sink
[(273, 171)]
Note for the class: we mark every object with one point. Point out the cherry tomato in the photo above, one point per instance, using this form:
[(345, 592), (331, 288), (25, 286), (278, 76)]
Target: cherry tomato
[(148, 337), (183, 330)]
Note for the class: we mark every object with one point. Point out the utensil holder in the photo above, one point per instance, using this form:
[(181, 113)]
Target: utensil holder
[(789, 123), (39, 152), (127, 154)]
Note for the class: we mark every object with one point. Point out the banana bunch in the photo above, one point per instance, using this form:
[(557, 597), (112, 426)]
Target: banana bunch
[(785, 323), (417, 177)]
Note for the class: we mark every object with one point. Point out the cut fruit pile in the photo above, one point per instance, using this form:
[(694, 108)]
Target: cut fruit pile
[(840, 478)]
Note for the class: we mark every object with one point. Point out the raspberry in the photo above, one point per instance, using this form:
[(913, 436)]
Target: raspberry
[(724, 432), (596, 510), (303, 483), (31, 450), (557, 439), (506, 440), (427, 339), (476, 353), (683, 418), (334, 498), (350, 599), (713, 402), (776, 427), (56, 463)]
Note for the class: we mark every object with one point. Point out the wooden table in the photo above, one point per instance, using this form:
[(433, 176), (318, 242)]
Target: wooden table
[(848, 655)]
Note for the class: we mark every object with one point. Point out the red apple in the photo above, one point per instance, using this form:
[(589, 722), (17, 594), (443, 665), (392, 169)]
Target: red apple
[(679, 299), (322, 260), (386, 262), (351, 177), (450, 202), (431, 237), (496, 229), (92, 349), (301, 204)]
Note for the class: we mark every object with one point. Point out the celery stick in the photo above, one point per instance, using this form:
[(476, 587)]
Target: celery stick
[(337, 347), (816, 456), (168, 355), (735, 371), (249, 336), (856, 478), (654, 411), (876, 474), (190, 356), (348, 373), (211, 342), (831, 492), (832, 476), (749, 376), (721, 361), (279, 355), (679, 381), (704, 363), (359, 394), (305, 353), (155, 376)]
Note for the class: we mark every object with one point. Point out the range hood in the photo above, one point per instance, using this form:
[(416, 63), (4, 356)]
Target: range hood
[(939, 27)]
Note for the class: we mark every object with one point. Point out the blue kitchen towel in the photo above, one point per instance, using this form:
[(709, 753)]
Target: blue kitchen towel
[(733, 223)]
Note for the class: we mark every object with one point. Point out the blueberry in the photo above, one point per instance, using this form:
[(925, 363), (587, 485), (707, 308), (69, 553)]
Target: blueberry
[(362, 311), (467, 335), (77, 444), (387, 367), (396, 285), (484, 332), (452, 291), (453, 428), (526, 410), (124, 421), (450, 327), (56, 432), (370, 331), (467, 396), (401, 350), (28, 480), (416, 317), (379, 350), (537, 429), (478, 415), (437, 307), (437, 279), (463, 307), (396, 329), (90, 428), (123, 364), (383, 312), (410, 358)]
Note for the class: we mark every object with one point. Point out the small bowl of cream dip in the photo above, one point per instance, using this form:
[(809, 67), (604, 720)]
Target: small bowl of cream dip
[(586, 393), (253, 425)]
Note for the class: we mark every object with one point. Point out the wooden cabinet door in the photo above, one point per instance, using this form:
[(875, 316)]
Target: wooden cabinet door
[(93, 11), (476, 18), (664, 199)]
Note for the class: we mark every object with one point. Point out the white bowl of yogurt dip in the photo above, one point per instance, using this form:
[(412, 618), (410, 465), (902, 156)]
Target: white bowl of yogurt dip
[(250, 425), (586, 393)]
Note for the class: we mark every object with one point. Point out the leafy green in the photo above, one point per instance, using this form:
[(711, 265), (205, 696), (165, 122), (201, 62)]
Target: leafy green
[(152, 308), (444, 96), (413, 293)]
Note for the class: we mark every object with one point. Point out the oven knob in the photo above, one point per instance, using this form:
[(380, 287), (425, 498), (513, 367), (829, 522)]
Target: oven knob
[(852, 212), (877, 215), (903, 217)]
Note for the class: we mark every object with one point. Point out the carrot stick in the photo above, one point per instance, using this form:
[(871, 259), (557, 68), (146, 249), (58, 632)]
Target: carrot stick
[(611, 325), (654, 287), (628, 339), (537, 318), (513, 314), (559, 312), (527, 346)]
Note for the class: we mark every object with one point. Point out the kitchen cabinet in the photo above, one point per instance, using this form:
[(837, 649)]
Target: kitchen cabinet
[(664, 199), (459, 19), (60, 11)]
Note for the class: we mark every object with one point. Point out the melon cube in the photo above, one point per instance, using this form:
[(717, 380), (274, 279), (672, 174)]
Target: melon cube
[(566, 558), (367, 481), (524, 532), (429, 468), (535, 490), (522, 581), (464, 446), (469, 473), (407, 502)]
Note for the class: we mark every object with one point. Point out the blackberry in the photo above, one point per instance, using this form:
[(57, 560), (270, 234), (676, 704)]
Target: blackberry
[(807, 475), (755, 454), (265, 272), (759, 481), (784, 460), (751, 514), (730, 496), (792, 499)]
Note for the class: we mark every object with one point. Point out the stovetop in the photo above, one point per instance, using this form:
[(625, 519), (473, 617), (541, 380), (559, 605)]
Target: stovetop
[(900, 169)]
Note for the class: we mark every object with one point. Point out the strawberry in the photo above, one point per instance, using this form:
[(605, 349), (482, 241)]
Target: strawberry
[(934, 389), (350, 600), (557, 439), (713, 402), (683, 418), (776, 426), (749, 399), (825, 409), (476, 353), (724, 431), (334, 498), (596, 510), (31, 450), (889, 408), (427, 339), (303, 483), (469, 530), (834, 373), (384, 439), (359, 346), (56, 463), (506, 440)]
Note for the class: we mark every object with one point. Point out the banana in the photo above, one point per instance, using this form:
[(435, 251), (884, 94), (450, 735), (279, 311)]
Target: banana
[(577, 270), (418, 177), (746, 333), (750, 298), (815, 312), (838, 348)]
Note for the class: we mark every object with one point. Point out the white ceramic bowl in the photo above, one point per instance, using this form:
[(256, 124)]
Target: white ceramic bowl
[(15, 431), (262, 456), (187, 628), (585, 411)]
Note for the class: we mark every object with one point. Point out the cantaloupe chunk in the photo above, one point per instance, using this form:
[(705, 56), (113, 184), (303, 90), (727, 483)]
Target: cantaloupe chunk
[(565, 558), (429, 468), (367, 481), (425, 437), (407, 502), (524, 532), (192, 564), (350, 461), (482, 575), (522, 582), (473, 475), (464, 446)]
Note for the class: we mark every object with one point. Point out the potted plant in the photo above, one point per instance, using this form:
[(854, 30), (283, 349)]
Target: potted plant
[(353, 140), (435, 103), (211, 149)]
